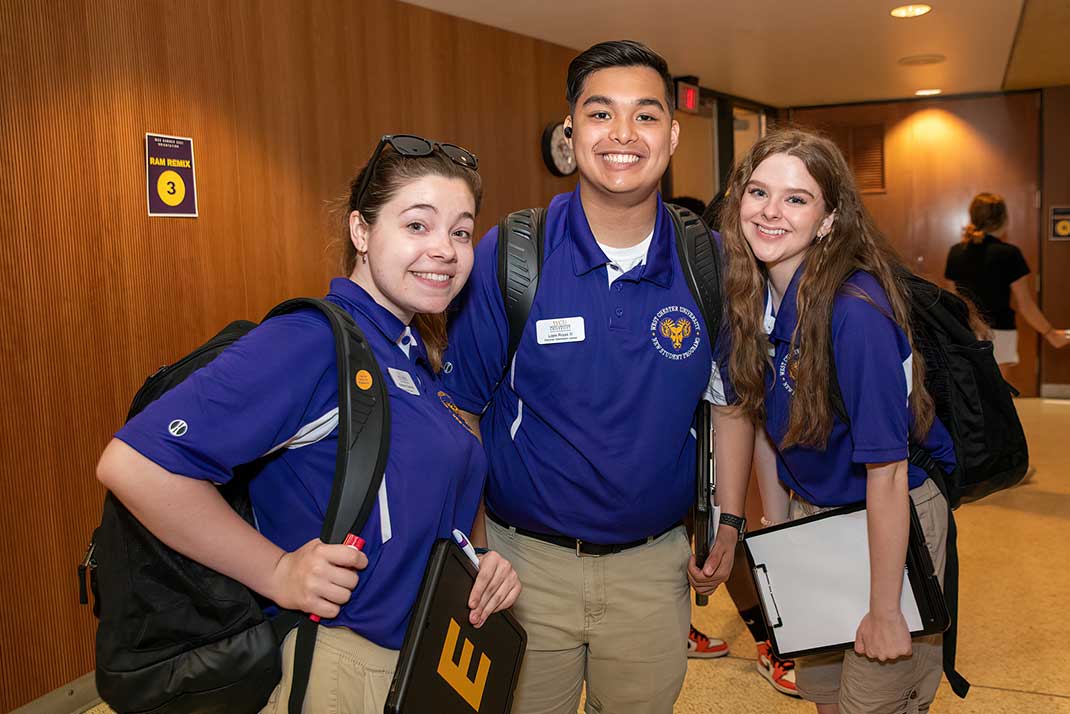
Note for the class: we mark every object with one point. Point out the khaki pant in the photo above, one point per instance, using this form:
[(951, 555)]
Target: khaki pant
[(863, 686), (619, 621), (350, 675)]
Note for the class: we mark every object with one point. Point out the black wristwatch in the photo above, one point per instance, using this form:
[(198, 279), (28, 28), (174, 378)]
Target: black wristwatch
[(737, 522)]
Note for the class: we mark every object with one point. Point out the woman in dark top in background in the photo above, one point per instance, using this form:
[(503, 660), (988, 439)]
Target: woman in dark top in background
[(989, 271)]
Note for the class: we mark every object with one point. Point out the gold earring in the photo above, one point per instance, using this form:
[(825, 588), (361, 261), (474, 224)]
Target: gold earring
[(363, 256)]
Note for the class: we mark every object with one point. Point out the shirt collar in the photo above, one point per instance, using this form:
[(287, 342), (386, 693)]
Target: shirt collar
[(787, 314), (356, 298), (586, 255)]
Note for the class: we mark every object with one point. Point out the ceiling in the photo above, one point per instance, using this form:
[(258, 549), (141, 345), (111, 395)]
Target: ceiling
[(1040, 57), (791, 53)]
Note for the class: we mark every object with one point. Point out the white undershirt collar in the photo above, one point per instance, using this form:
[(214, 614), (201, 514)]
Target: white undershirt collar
[(621, 260)]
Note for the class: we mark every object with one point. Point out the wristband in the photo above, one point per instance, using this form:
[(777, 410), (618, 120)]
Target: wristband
[(482, 551), (733, 521)]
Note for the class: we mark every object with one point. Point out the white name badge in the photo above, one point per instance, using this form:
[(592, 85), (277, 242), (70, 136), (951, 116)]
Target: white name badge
[(403, 380), (560, 329)]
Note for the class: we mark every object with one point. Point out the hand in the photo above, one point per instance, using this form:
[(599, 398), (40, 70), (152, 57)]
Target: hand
[(1057, 338), (717, 566), (496, 588), (883, 637), (317, 578)]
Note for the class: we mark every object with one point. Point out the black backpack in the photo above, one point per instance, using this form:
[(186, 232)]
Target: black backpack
[(522, 235), (177, 637), (970, 395)]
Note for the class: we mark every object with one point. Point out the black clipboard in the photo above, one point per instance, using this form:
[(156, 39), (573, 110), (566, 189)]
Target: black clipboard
[(932, 612), (703, 512), (446, 665)]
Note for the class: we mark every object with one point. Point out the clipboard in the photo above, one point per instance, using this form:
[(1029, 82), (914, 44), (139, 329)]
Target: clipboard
[(446, 665), (812, 579)]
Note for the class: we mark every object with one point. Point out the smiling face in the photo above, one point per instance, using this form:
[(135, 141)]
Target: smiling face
[(782, 211), (419, 251), (622, 132)]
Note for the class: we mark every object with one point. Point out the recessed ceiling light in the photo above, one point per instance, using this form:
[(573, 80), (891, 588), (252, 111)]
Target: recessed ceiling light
[(905, 11), (927, 92), (917, 60)]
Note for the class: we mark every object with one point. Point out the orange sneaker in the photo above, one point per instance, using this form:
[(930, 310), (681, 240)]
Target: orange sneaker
[(703, 647), (779, 672)]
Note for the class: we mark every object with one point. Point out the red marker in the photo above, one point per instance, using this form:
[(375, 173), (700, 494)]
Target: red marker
[(356, 543)]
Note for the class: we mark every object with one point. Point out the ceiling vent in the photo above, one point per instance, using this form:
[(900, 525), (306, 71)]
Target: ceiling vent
[(919, 60)]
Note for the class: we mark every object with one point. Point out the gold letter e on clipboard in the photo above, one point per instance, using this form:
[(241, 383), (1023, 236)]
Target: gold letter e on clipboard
[(456, 674)]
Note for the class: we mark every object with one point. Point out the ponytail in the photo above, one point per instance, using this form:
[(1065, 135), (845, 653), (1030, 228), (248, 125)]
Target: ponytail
[(988, 213)]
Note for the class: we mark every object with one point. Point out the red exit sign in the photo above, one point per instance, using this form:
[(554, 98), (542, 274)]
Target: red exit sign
[(687, 97)]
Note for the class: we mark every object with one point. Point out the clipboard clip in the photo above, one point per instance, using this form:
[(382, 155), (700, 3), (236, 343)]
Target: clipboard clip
[(766, 595)]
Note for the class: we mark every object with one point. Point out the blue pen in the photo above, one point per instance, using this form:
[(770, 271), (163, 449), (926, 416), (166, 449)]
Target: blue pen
[(462, 541)]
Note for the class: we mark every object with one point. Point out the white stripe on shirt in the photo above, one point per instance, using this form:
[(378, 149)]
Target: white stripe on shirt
[(519, 402), (310, 433)]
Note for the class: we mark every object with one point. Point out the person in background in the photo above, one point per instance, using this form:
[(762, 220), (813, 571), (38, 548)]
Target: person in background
[(273, 396), (993, 273), (588, 427), (812, 287)]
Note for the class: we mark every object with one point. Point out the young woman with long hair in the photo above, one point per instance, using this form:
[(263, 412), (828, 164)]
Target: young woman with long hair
[(813, 300), (272, 398)]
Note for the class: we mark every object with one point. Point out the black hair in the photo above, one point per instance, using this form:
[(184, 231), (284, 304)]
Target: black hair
[(616, 53)]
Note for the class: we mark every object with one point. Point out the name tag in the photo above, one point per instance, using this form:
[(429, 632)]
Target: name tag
[(561, 329), (403, 380)]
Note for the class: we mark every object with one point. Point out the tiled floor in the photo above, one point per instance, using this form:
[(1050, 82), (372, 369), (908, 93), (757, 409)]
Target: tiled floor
[(1014, 632)]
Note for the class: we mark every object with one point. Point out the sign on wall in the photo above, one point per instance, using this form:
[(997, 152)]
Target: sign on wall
[(170, 182), (1060, 223)]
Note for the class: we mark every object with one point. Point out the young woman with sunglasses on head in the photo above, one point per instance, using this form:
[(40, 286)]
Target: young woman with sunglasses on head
[(273, 396), (812, 286)]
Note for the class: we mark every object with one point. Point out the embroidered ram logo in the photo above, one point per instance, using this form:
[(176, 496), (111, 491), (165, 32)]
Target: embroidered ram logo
[(676, 330)]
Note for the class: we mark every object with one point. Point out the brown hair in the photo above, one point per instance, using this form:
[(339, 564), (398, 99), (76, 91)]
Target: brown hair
[(392, 172), (854, 243), (988, 212)]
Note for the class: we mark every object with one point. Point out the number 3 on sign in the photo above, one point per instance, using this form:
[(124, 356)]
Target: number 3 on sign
[(171, 188)]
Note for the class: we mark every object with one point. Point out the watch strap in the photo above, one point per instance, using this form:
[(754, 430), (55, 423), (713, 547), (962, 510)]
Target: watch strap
[(737, 522)]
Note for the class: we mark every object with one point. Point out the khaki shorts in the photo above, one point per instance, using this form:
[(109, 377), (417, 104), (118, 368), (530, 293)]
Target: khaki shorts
[(619, 621), (350, 675), (864, 686)]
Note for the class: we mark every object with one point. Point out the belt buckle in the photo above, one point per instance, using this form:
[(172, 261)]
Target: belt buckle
[(580, 554)]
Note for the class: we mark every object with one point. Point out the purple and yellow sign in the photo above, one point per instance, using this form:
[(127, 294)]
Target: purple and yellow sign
[(1060, 222), (171, 185)]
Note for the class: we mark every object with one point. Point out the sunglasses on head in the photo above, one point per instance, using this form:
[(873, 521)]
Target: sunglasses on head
[(415, 147)]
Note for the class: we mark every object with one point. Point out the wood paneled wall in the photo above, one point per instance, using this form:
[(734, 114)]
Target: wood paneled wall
[(939, 154), (1055, 293), (284, 100)]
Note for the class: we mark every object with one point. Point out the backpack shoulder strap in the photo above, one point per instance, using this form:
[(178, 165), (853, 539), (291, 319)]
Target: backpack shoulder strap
[(521, 236), (701, 263), (363, 445), (363, 422)]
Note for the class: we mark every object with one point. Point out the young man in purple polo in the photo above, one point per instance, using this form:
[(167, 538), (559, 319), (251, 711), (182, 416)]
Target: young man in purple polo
[(588, 430)]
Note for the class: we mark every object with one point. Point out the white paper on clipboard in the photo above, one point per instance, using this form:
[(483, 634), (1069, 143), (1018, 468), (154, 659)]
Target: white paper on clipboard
[(814, 577)]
